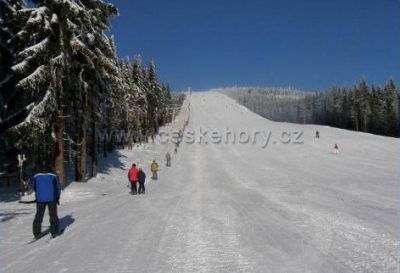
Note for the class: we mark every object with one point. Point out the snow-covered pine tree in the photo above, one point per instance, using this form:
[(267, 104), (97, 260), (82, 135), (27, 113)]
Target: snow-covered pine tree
[(158, 99), (166, 101), (153, 95), (355, 108), (125, 102), (139, 79), (9, 27), (135, 98), (365, 108), (391, 109), (102, 78), (137, 72), (39, 55), (377, 110), (64, 42)]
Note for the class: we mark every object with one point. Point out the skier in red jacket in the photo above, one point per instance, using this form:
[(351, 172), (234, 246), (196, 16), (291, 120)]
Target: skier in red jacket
[(133, 178)]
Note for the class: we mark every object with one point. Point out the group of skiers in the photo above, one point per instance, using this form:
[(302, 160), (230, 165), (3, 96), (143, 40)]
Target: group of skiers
[(47, 188), (136, 175)]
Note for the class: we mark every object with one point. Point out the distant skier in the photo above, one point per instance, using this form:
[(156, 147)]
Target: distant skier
[(175, 150), (141, 179), (47, 191), (168, 159), (133, 178), (154, 169), (335, 149), (317, 134)]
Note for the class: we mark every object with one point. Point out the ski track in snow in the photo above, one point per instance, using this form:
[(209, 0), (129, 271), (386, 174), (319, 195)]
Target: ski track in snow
[(226, 207)]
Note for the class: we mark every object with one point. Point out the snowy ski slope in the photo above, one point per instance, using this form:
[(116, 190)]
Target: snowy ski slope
[(227, 207)]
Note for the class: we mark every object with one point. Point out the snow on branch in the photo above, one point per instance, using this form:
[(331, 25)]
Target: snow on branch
[(107, 63), (79, 46), (20, 34), (35, 49), (74, 7), (102, 39), (26, 10), (90, 37), (54, 19), (34, 80), (37, 16), (36, 111), (21, 67), (71, 25), (57, 60)]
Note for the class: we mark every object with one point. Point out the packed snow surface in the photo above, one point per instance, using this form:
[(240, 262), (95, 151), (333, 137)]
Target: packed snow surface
[(288, 207)]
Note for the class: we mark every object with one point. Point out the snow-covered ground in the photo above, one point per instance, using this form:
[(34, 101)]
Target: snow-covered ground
[(226, 207)]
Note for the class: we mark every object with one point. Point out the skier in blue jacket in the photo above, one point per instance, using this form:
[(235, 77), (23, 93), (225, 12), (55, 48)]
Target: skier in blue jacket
[(47, 190)]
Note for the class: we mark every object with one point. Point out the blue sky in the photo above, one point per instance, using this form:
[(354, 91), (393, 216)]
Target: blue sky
[(306, 44)]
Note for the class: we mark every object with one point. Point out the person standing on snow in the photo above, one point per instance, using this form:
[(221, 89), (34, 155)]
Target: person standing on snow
[(154, 169), (335, 149), (141, 179), (47, 190), (317, 134), (133, 178), (168, 159)]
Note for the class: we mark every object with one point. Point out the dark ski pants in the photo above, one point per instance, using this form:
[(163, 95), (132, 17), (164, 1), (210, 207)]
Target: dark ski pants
[(141, 188), (134, 188), (54, 222), (155, 176)]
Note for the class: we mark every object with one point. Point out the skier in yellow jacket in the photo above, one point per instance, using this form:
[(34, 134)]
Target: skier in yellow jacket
[(154, 169)]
